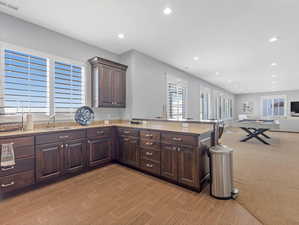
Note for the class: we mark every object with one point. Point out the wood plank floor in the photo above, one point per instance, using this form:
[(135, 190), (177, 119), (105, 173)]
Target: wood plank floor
[(116, 195)]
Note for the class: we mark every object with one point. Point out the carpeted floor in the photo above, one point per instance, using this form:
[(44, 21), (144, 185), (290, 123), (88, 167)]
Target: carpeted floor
[(267, 176)]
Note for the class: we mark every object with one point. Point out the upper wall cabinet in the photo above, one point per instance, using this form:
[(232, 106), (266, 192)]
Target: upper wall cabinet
[(108, 83)]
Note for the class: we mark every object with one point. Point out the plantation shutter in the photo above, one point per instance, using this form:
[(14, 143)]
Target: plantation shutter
[(24, 84), (176, 101), (69, 93)]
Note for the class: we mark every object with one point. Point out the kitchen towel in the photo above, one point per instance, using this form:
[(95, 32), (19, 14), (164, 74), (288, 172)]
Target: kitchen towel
[(7, 155)]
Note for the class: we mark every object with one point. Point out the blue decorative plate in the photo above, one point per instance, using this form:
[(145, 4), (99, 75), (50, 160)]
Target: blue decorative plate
[(84, 115)]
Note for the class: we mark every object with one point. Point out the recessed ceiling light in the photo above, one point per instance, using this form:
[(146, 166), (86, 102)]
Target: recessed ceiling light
[(274, 75), (121, 36), (274, 64), (196, 58), (167, 11), (273, 39), (217, 73)]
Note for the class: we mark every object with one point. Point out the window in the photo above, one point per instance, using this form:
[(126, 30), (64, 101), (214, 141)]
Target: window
[(68, 85), (176, 101), (205, 101), (223, 106), (25, 83), (273, 106), (38, 83)]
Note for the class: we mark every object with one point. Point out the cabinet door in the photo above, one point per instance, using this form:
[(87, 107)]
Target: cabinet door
[(74, 156), (49, 161), (105, 86), (188, 169), (129, 151), (99, 152), (119, 88), (169, 162)]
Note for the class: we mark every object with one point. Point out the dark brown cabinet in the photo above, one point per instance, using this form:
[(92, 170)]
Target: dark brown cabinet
[(21, 174), (188, 173), (99, 151), (49, 161), (129, 151), (74, 156), (108, 83), (169, 162)]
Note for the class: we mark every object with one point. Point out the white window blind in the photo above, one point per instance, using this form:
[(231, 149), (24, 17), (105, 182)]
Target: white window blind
[(69, 91), (273, 106), (176, 101), (205, 105), (24, 84)]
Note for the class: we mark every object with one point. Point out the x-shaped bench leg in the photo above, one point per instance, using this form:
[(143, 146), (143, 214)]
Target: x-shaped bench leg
[(254, 134)]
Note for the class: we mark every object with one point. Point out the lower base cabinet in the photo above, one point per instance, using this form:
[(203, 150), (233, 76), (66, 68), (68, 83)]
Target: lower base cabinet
[(188, 172), (129, 151), (54, 160), (99, 152), (49, 161), (169, 162), (74, 156), (180, 164)]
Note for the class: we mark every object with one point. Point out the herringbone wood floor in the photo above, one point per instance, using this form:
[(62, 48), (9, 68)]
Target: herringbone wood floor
[(116, 195)]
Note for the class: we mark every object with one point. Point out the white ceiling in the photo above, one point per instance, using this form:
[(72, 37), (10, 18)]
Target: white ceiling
[(229, 37)]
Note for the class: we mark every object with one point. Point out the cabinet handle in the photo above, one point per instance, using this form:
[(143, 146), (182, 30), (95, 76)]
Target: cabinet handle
[(7, 185), (149, 143), (8, 168), (66, 136), (149, 153), (149, 165), (177, 139)]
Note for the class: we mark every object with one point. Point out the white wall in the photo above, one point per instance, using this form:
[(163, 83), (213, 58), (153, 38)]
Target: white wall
[(30, 36), (146, 87), (256, 99)]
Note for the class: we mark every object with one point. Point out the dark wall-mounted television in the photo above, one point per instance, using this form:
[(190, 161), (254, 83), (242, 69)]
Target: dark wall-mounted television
[(295, 107)]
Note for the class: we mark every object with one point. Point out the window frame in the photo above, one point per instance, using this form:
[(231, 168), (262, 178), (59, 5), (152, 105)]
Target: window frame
[(272, 98), (183, 84), (207, 93), (51, 72)]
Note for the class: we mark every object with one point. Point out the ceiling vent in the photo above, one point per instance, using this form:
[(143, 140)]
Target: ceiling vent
[(8, 5)]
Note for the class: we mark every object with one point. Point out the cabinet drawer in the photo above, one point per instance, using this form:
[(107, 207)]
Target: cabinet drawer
[(99, 132), (149, 144), (179, 139), (21, 166), (128, 132), (150, 166), (16, 181), (18, 142), (151, 154), (152, 135), (60, 136), (22, 152)]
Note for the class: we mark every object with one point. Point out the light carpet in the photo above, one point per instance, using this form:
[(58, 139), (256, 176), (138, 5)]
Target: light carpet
[(267, 176)]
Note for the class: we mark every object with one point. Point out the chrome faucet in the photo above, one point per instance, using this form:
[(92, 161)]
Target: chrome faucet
[(52, 117)]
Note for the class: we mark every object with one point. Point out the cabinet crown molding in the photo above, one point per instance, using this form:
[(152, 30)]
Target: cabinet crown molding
[(98, 60)]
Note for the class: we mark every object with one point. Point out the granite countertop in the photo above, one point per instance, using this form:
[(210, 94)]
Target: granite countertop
[(195, 129)]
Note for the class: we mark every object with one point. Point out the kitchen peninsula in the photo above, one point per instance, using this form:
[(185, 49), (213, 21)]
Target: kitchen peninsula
[(164, 149)]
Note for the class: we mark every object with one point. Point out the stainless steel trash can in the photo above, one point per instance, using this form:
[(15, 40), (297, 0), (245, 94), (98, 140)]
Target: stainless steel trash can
[(221, 166)]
